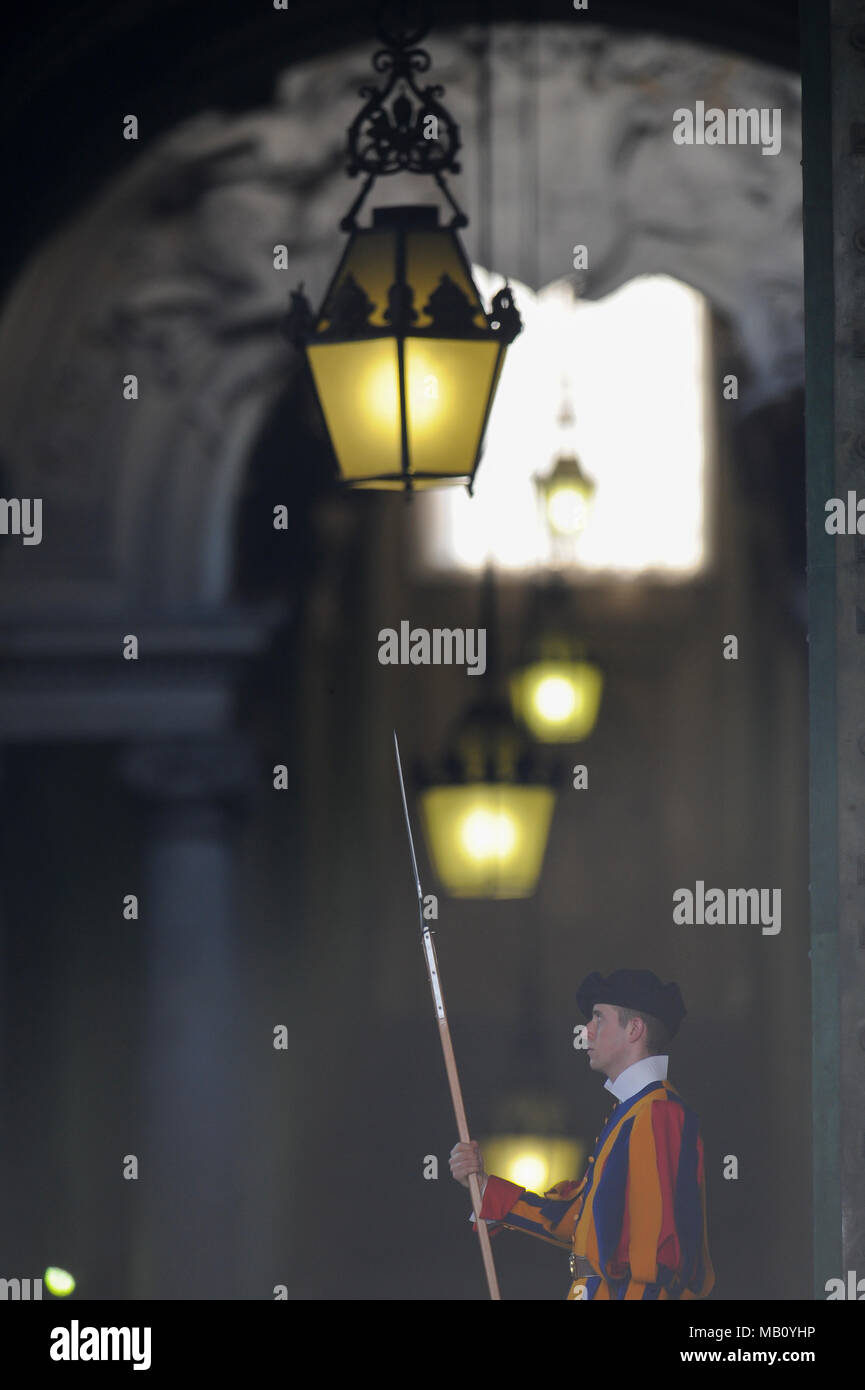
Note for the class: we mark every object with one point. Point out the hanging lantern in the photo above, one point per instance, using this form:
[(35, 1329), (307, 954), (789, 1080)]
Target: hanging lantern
[(487, 840), (487, 815), (558, 696), (565, 493), (404, 357), (556, 689)]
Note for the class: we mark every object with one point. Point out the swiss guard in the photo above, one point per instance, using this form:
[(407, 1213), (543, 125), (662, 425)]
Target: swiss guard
[(635, 1225)]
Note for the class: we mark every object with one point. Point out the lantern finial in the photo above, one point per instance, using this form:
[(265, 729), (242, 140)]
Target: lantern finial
[(299, 320)]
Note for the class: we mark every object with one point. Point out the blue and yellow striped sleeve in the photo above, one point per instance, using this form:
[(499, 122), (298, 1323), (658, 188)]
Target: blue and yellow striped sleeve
[(552, 1216)]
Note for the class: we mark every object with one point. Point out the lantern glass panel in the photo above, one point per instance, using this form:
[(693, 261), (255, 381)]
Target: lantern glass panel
[(487, 840), (370, 259), (358, 386), (448, 384), (429, 256)]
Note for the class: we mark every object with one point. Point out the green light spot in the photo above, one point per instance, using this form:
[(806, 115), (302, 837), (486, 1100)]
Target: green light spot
[(58, 1281)]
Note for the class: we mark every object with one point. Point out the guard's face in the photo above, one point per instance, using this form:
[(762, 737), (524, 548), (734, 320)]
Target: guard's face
[(607, 1041)]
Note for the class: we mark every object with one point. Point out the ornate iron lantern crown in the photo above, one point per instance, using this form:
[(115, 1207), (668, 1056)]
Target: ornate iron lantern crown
[(401, 127)]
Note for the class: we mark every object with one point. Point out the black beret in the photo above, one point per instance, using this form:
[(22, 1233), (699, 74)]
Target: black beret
[(634, 989)]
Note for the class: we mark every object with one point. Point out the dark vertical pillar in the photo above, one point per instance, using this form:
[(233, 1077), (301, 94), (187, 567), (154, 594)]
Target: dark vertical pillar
[(187, 1190), (7, 1109), (848, 206), (819, 350), (833, 165)]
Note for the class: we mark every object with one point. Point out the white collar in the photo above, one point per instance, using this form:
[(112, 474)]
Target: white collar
[(638, 1075)]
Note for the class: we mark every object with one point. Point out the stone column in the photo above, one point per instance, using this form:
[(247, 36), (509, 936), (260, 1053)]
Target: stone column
[(7, 1108), (848, 206), (833, 49), (187, 1188)]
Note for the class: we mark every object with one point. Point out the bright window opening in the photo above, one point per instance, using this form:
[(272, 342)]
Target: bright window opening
[(632, 368)]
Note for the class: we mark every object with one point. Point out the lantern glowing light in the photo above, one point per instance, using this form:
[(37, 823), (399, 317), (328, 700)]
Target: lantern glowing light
[(533, 1161), (58, 1282), (567, 510), (531, 1170), (488, 834), (567, 498), (555, 699), (558, 700)]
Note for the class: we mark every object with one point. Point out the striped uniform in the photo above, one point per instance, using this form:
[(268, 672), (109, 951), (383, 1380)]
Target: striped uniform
[(639, 1214)]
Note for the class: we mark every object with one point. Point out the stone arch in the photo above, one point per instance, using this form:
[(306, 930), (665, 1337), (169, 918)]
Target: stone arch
[(169, 274)]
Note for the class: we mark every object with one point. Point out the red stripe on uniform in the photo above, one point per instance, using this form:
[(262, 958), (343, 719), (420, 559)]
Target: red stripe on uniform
[(667, 1122), (499, 1197)]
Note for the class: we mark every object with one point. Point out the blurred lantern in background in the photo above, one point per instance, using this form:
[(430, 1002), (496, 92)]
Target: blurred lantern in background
[(404, 357), (566, 497), (486, 807), (487, 815), (558, 695), (555, 689), (565, 493), (534, 1161), (529, 1139)]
